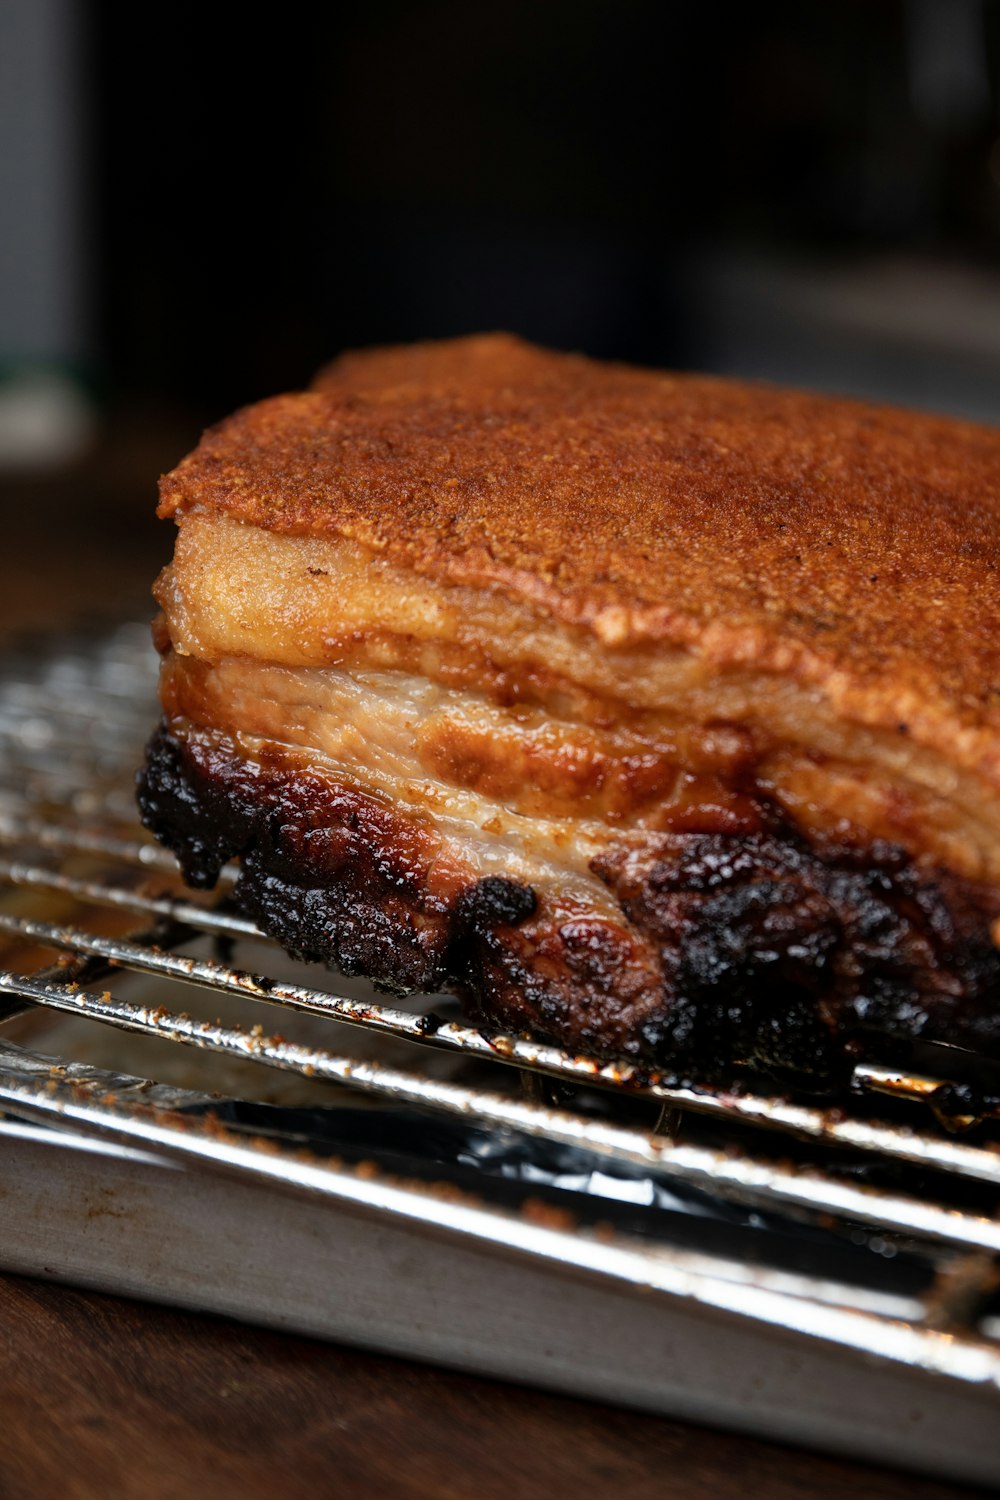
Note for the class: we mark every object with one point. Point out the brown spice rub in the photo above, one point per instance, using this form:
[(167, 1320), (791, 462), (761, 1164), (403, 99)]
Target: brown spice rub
[(853, 548)]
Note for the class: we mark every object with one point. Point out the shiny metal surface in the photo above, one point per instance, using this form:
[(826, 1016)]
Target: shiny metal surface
[(740, 1178), (831, 1126), (118, 1108)]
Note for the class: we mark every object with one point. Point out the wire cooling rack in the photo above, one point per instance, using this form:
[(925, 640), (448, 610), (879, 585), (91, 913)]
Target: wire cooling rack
[(140, 1016)]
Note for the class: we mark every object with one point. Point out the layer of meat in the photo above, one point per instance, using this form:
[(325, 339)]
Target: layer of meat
[(693, 949)]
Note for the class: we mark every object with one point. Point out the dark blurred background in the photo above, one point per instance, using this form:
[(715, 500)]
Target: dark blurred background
[(198, 207)]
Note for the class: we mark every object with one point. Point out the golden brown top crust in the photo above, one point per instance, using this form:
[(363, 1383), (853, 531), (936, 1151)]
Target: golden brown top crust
[(852, 547)]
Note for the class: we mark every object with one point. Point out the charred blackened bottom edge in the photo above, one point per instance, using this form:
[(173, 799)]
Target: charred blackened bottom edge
[(756, 947)]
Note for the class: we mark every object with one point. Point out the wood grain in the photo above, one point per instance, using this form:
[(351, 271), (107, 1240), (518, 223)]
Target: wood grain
[(104, 1397)]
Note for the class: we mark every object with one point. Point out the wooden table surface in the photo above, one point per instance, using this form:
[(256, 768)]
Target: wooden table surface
[(102, 1397)]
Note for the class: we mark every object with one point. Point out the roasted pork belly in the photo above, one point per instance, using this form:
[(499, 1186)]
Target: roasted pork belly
[(658, 716)]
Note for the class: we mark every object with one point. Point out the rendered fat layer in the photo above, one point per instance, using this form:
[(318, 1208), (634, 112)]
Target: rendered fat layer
[(537, 797)]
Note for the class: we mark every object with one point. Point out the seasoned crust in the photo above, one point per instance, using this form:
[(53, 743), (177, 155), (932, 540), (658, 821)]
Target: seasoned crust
[(717, 947), (852, 548)]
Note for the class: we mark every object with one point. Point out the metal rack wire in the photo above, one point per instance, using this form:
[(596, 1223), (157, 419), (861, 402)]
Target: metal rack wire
[(87, 904)]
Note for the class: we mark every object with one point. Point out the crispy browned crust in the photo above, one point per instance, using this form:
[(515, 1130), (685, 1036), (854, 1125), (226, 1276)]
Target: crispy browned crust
[(760, 535), (752, 945), (851, 547)]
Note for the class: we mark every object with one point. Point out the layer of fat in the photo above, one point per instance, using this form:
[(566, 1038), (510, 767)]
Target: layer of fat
[(369, 727), (312, 604), (362, 731)]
